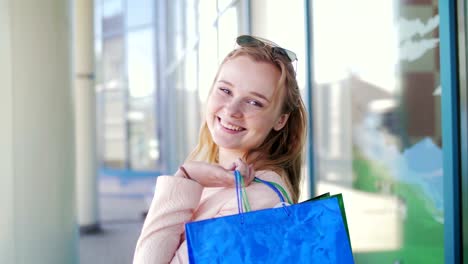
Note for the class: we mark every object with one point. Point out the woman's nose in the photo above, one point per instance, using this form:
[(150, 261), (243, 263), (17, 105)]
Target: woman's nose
[(233, 108)]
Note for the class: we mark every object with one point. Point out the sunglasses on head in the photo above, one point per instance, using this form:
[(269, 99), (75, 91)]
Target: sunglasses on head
[(251, 41)]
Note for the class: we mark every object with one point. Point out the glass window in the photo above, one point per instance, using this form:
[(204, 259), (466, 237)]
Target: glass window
[(223, 4), (143, 144), (195, 38), (376, 98), (228, 30), (97, 19), (207, 47), (114, 103), (191, 27), (207, 14), (139, 12), (112, 16), (140, 62), (208, 63)]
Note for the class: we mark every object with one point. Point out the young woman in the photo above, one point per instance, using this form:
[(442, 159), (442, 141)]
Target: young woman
[(256, 123)]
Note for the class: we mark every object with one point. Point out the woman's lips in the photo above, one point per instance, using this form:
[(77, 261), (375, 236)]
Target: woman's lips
[(231, 128)]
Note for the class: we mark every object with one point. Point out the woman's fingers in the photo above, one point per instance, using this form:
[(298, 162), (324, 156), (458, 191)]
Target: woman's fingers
[(242, 167), (210, 175), (245, 170), (232, 167)]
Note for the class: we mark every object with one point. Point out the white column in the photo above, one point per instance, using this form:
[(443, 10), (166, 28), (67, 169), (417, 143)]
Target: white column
[(85, 120), (37, 194)]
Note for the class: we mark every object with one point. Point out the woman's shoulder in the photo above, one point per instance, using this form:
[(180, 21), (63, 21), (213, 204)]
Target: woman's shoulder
[(272, 176), (263, 196), (267, 174)]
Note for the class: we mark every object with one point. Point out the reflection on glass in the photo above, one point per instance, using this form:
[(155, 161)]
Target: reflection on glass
[(191, 27), (113, 62), (140, 63), (143, 153), (113, 94), (143, 145), (97, 19), (208, 61), (207, 14), (130, 104), (228, 30), (139, 12), (112, 17), (223, 4), (111, 8), (377, 125)]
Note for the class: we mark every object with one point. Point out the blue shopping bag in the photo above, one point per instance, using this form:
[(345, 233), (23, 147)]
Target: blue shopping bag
[(311, 232)]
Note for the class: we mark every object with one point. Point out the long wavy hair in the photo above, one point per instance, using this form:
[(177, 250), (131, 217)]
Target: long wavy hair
[(281, 151)]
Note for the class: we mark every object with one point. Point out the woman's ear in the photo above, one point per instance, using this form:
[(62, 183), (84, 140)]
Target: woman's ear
[(281, 122)]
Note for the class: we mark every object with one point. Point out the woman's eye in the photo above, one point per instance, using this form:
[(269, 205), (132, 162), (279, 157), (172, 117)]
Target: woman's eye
[(255, 103), (225, 90)]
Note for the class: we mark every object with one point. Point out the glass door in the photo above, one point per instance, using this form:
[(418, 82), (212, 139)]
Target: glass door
[(376, 104)]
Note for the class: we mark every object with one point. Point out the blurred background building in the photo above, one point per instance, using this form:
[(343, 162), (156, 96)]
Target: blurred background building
[(371, 72)]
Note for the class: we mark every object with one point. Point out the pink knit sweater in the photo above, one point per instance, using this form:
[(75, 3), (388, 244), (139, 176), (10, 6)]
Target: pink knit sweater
[(178, 200)]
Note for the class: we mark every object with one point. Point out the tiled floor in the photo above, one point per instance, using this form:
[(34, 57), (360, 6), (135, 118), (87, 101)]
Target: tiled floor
[(114, 244), (122, 204)]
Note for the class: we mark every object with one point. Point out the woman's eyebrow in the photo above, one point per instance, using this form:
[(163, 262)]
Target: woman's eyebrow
[(226, 82), (253, 92), (260, 95)]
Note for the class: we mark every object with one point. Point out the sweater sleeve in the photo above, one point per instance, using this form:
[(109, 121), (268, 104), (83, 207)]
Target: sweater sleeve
[(173, 204)]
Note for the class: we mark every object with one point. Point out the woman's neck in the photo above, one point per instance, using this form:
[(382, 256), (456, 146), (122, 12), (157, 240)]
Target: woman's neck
[(227, 157)]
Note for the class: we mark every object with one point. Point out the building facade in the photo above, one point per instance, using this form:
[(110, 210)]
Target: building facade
[(385, 85)]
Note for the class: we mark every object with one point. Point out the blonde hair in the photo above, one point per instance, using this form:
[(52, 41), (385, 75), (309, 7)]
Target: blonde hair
[(281, 151)]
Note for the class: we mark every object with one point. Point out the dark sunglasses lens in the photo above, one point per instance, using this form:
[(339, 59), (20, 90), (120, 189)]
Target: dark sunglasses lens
[(292, 56), (285, 53), (248, 41)]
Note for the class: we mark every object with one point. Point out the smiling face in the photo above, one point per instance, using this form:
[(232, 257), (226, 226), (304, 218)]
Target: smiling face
[(242, 109)]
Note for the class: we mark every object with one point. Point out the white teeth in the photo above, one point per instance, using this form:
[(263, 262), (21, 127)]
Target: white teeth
[(231, 127)]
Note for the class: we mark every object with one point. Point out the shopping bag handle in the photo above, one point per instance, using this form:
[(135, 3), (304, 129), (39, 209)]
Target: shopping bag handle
[(276, 187), (242, 200)]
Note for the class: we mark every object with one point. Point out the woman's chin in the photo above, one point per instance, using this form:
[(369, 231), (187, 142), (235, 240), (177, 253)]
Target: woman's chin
[(227, 144)]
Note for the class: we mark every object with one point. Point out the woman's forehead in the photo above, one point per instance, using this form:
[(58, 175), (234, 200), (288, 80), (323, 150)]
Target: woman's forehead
[(245, 73)]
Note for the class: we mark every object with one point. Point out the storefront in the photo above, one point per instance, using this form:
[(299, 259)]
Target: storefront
[(385, 82), (388, 99)]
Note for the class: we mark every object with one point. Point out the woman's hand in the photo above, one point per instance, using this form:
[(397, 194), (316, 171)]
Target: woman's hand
[(245, 170), (212, 175)]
